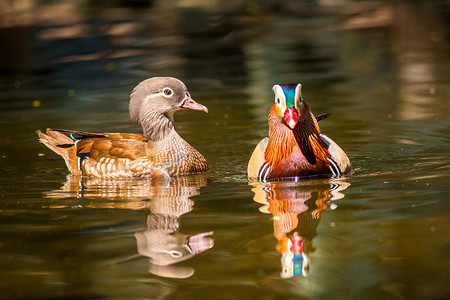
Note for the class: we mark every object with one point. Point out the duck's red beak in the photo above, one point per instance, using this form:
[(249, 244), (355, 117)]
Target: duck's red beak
[(189, 103), (291, 117)]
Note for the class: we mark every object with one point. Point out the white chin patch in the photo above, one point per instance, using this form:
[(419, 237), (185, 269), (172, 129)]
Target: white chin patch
[(291, 124)]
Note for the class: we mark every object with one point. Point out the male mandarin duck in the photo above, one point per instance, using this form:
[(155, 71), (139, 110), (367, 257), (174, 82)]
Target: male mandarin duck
[(159, 151), (294, 146)]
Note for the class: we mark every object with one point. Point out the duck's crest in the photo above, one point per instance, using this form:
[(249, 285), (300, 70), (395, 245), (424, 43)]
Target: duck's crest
[(292, 91)]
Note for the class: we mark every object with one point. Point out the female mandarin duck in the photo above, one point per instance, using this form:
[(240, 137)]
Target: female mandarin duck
[(295, 147), (159, 151)]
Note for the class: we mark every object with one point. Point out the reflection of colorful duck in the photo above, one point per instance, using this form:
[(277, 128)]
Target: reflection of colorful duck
[(292, 257), (161, 241), (296, 208)]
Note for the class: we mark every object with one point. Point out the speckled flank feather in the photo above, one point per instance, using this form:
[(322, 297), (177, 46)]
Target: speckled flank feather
[(183, 157)]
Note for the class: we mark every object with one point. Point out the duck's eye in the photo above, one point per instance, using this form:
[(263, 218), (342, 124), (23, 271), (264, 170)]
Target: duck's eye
[(167, 92), (278, 100)]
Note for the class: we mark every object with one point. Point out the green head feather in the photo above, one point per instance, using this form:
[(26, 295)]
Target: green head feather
[(289, 91)]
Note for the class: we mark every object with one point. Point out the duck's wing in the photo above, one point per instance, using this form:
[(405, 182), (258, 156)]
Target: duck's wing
[(337, 154), (257, 159), (109, 155)]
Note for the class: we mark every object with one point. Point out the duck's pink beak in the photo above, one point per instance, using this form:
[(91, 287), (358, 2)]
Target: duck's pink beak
[(291, 117), (189, 103)]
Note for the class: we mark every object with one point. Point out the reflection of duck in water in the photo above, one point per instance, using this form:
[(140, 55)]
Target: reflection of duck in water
[(296, 208), (162, 242), (168, 201)]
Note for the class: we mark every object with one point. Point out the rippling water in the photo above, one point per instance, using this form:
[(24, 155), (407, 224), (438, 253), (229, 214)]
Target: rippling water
[(381, 69)]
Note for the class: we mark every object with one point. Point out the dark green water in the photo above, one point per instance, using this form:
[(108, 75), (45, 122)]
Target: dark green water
[(381, 69)]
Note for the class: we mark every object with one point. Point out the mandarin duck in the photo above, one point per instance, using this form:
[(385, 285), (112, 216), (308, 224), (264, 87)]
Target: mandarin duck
[(159, 151), (295, 147)]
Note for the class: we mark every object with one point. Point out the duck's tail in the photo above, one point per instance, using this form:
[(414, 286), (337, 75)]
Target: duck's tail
[(62, 145)]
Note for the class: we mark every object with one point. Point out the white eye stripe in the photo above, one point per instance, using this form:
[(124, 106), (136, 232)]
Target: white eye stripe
[(298, 92), (158, 95), (153, 96), (279, 94)]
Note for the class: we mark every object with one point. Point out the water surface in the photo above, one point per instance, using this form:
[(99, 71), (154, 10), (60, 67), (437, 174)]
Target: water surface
[(380, 69)]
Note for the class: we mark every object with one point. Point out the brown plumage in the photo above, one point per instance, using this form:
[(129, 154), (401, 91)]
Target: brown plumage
[(298, 152), (295, 146), (160, 151)]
